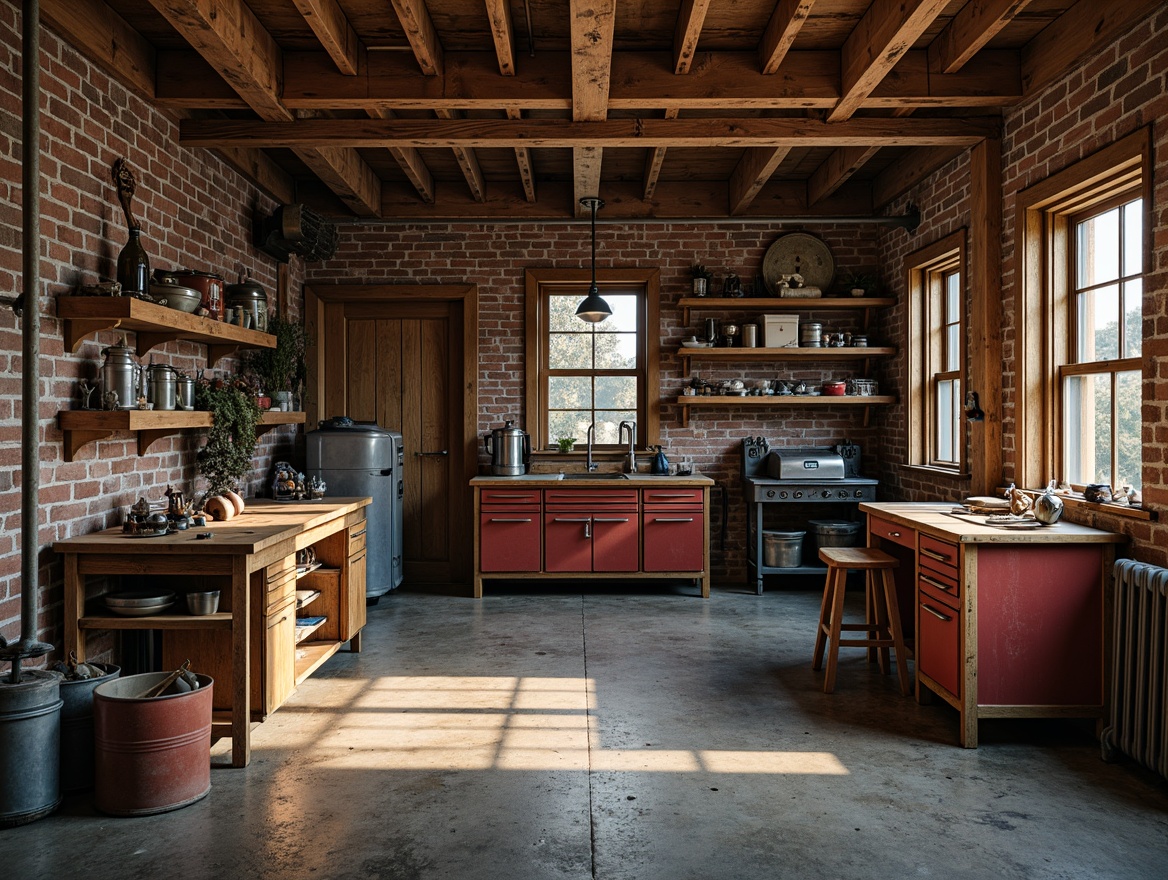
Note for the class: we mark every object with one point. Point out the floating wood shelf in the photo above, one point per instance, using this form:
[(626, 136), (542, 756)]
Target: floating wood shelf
[(82, 426), (153, 325), (787, 354), (218, 620), (781, 303), (772, 401)]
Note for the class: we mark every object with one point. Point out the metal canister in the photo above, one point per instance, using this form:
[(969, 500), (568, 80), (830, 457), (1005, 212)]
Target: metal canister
[(750, 335), (251, 295), (811, 335), (184, 391), (30, 734), (162, 386), (119, 374)]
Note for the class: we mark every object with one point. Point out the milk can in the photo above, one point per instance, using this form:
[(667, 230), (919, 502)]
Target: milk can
[(120, 374), (162, 386), (184, 390)]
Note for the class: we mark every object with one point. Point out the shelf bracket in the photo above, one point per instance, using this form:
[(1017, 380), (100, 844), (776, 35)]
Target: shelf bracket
[(147, 341), (147, 437), (74, 440), (214, 352), (77, 329)]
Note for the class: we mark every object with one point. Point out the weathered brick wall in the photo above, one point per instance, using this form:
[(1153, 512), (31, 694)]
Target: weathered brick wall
[(195, 211), (1118, 90), (495, 258)]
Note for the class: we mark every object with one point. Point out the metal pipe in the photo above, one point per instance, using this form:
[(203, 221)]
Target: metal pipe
[(909, 220)]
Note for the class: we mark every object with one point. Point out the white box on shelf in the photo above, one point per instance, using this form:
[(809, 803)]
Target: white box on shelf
[(780, 331)]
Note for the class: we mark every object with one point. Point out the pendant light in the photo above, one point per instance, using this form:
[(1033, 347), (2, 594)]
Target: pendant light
[(593, 309)]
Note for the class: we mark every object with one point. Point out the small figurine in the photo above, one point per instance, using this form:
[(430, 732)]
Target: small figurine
[(109, 400), (86, 393), (316, 488)]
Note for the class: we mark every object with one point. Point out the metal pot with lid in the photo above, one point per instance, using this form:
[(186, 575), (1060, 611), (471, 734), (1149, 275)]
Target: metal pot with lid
[(509, 448), (249, 294)]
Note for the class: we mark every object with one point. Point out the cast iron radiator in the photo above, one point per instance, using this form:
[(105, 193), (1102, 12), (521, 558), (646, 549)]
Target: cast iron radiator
[(1139, 674)]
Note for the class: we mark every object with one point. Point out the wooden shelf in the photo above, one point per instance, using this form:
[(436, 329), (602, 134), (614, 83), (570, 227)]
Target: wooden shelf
[(303, 632), (784, 400), (787, 303), (787, 354), (153, 325), (304, 597), (81, 426), (218, 620), (310, 656)]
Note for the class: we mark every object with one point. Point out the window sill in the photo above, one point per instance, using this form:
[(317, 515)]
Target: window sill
[(955, 476), (1081, 509)]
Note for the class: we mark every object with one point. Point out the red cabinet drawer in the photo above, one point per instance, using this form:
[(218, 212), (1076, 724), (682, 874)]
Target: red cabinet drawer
[(942, 583), (671, 496), (567, 541), (615, 542), (590, 497), (509, 541), (938, 649), (509, 496), (674, 541), (939, 555), (882, 528)]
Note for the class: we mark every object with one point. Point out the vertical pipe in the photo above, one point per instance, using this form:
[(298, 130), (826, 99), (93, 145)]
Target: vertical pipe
[(30, 374)]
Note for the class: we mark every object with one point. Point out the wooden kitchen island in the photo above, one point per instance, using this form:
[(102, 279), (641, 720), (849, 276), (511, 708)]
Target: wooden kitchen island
[(1009, 623), (252, 645)]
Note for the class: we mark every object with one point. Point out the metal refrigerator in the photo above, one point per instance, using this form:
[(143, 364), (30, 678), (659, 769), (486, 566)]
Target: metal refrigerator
[(362, 458)]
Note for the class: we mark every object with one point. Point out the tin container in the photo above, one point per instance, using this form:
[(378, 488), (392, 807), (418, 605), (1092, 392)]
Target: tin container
[(811, 335), (750, 335)]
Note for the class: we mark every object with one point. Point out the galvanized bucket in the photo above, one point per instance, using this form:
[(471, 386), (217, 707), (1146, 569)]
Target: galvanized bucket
[(77, 728), (30, 734)]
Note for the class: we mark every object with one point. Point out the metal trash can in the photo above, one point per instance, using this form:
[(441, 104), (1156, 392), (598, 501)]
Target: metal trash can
[(77, 728), (30, 733), (782, 549)]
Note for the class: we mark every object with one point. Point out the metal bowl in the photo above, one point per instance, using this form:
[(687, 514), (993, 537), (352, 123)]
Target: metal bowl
[(203, 603), (139, 604), (176, 296)]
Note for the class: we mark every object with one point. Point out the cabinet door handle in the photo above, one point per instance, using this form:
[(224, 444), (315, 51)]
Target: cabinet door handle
[(585, 519), (359, 534), (673, 495), (933, 554), (673, 519), (610, 519), (509, 519), (940, 586), (937, 614), (894, 534), (440, 452), (509, 498), (355, 559)]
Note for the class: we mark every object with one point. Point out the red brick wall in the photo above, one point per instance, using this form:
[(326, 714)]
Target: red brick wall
[(195, 211), (1118, 90), (495, 257)]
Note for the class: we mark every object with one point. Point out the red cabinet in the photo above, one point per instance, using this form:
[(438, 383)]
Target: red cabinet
[(674, 529), (589, 530), (938, 649), (509, 530)]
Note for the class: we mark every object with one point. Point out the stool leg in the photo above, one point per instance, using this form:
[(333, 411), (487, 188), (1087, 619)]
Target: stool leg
[(839, 580), (821, 629), (870, 610), (894, 626), (879, 620)]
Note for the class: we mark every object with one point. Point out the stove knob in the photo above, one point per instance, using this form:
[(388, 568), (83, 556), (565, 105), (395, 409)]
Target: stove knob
[(783, 493), (826, 493), (770, 493), (859, 493), (797, 494), (843, 493)]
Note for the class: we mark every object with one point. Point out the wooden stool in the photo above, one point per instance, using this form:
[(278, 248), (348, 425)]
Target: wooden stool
[(883, 616)]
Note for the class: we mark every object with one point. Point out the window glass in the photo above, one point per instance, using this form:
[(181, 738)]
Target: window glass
[(946, 435), (1133, 318), (1098, 320), (1133, 238), (1129, 429), (1098, 255)]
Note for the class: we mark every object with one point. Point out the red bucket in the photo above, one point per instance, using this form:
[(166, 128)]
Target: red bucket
[(152, 755)]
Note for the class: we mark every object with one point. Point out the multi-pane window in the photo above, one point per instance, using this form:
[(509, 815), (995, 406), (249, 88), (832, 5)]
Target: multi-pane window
[(592, 374), (1101, 380), (946, 403)]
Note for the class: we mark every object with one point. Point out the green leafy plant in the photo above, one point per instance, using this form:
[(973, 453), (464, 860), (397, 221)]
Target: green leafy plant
[(859, 281), (566, 444), (281, 368), (227, 456)]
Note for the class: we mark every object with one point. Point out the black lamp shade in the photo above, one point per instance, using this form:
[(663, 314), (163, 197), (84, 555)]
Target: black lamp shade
[(593, 308)]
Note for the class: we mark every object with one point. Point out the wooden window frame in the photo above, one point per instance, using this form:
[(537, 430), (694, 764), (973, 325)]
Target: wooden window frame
[(926, 270), (539, 284), (1044, 224)]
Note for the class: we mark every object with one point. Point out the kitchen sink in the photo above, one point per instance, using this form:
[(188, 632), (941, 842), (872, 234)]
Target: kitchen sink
[(606, 476)]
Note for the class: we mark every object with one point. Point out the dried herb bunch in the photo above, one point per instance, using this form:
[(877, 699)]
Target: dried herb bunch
[(231, 440)]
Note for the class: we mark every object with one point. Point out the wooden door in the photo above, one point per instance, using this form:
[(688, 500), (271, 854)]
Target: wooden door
[(402, 362)]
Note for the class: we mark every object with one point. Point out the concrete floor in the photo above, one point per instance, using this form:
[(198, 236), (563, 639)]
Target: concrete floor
[(644, 734)]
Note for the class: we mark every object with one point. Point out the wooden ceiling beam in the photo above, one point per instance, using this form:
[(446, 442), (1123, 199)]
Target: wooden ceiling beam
[(885, 33), (637, 133), (523, 160), (753, 171), (779, 36), (336, 35), (690, 19), (591, 33), (836, 170), (410, 161), (104, 37), (468, 163), (503, 33), (421, 34), (654, 159), (975, 24), (1075, 34)]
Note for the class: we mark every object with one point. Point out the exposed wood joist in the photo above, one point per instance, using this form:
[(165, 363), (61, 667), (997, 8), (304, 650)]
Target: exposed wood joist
[(909, 171), (503, 35), (336, 35), (653, 162), (751, 174), (780, 33), (690, 19), (885, 33), (423, 38), (523, 160), (410, 161), (977, 22), (835, 170), (592, 24), (1074, 34), (229, 37), (468, 163), (638, 133)]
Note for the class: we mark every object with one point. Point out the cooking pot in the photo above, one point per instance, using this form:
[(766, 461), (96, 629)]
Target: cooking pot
[(175, 296), (249, 294), (835, 389), (509, 448), (208, 284)]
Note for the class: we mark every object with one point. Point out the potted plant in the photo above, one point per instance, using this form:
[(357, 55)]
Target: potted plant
[(278, 370), (701, 279), (566, 444), (227, 456), (859, 283)]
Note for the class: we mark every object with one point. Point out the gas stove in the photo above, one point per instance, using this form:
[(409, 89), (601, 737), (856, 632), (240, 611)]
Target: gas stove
[(803, 473)]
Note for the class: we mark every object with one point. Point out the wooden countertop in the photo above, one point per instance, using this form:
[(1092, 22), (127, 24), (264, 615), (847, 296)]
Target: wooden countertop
[(936, 519), (546, 481), (263, 523)]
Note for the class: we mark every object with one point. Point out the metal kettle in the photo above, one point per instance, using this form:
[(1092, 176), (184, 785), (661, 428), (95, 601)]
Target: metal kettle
[(509, 448)]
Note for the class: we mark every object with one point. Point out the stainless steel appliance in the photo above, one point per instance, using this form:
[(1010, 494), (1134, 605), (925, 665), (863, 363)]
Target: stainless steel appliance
[(510, 450), (362, 458), (820, 475)]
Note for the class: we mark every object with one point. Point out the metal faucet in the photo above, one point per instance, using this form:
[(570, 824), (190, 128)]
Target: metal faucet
[(631, 457), (589, 463)]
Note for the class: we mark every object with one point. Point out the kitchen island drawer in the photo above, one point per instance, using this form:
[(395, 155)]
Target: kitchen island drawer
[(939, 555), (938, 647), (889, 531), (509, 497)]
